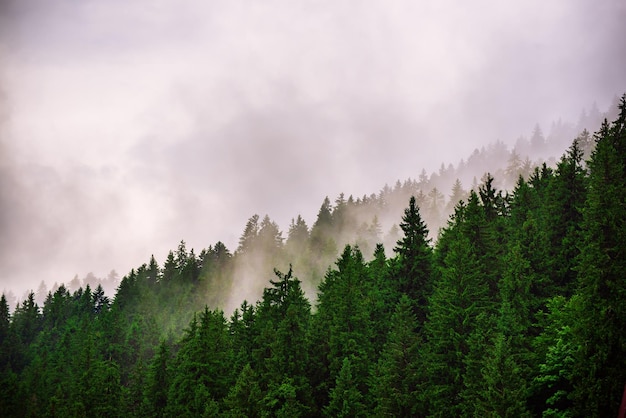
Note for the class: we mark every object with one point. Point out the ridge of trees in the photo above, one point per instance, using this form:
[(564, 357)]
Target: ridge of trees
[(516, 309)]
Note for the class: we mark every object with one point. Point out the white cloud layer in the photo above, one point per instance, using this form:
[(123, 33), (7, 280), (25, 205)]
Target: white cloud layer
[(127, 126)]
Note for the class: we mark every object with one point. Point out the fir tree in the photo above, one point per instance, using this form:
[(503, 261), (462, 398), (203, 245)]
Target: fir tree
[(413, 265), (397, 377), (600, 370)]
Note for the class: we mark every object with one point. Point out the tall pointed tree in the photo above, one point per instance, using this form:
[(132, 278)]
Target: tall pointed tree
[(397, 377), (563, 216), (282, 323), (158, 381), (346, 401), (461, 312), (600, 372), (413, 264)]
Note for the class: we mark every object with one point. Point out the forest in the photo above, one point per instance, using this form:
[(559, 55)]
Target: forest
[(509, 300)]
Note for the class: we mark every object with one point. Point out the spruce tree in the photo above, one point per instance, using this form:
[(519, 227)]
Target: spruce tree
[(600, 370), (158, 381), (342, 325), (282, 322), (346, 400), (244, 399), (397, 378), (461, 313), (413, 264)]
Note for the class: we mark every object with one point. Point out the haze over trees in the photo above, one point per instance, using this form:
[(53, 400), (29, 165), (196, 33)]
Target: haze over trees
[(489, 302)]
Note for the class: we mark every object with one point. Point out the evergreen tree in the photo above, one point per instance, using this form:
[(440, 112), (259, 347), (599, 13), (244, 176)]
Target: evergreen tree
[(413, 264), (396, 385), (323, 243), (100, 301), (158, 382), (282, 322), (5, 319), (342, 325), (563, 216), (553, 385), (506, 371), (170, 270), (382, 296), (244, 400), (456, 196), (345, 398), (600, 370), (153, 273), (297, 237), (203, 369), (27, 320), (243, 333), (504, 390), (461, 312), (249, 236)]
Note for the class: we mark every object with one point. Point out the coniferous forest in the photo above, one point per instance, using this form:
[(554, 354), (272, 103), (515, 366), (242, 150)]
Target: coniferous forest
[(515, 307)]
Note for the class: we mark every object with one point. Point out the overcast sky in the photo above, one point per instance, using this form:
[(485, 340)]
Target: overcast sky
[(127, 126)]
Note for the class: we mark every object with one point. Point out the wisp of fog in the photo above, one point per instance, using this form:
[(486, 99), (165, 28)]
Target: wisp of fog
[(128, 126)]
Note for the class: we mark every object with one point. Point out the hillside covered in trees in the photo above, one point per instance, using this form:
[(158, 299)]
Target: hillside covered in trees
[(514, 307)]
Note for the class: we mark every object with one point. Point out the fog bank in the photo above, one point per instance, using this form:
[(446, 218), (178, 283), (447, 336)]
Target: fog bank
[(126, 127)]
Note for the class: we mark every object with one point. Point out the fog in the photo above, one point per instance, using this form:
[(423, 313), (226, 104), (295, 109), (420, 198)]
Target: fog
[(126, 127)]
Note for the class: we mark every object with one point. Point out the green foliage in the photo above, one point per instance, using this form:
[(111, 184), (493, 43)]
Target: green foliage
[(461, 311), (245, 397), (516, 310), (342, 326), (282, 324), (413, 264), (202, 372), (158, 382), (554, 379), (397, 379), (503, 392), (345, 398), (600, 370)]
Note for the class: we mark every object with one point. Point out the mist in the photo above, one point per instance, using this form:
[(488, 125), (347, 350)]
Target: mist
[(125, 128)]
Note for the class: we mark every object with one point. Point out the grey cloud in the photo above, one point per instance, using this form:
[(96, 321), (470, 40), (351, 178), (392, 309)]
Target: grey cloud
[(133, 125)]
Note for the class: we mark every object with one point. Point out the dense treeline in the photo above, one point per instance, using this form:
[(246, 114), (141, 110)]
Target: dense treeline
[(517, 309)]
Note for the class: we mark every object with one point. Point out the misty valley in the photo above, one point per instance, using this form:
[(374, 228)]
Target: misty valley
[(494, 287)]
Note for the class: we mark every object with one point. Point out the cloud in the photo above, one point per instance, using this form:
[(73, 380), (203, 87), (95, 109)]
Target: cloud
[(131, 125)]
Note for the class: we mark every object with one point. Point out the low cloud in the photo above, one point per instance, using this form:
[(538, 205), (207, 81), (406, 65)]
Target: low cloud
[(128, 127)]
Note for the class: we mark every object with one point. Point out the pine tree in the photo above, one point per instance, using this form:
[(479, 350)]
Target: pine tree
[(100, 301), (461, 312), (243, 334), (5, 320), (244, 400), (600, 370), (413, 264), (397, 377), (297, 237), (323, 243), (342, 325), (506, 371), (249, 236), (203, 369), (563, 215), (345, 398), (553, 385), (456, 196), (158, 382), (282, 323), (9, 349), (27, 319), (504, 385), (153, 273), (170, 270)]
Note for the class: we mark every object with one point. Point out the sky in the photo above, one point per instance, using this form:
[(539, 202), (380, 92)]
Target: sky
[(127, 126)]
